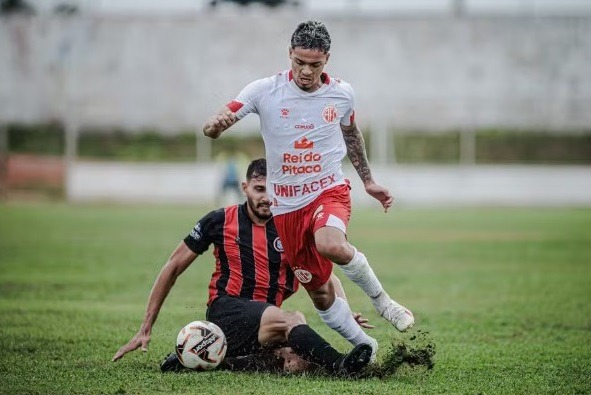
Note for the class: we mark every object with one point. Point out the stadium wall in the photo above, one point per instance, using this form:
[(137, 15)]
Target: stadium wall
[(412, 186), (424, 73)]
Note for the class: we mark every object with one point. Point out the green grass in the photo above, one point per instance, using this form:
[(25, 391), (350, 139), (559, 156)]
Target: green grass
[(504, 293)]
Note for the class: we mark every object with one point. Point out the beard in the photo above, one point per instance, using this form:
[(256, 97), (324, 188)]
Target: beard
[(256, 210)]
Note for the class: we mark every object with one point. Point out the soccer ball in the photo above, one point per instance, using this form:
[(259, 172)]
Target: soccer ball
[(201, 345)]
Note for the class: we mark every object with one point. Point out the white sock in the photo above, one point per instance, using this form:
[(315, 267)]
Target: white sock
[(339, 317), (359, 271)]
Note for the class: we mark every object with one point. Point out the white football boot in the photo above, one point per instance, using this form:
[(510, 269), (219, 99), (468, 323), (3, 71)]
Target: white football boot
[(398, 315)]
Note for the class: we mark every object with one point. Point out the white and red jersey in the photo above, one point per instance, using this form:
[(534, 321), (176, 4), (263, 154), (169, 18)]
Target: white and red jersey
[(302, 134)]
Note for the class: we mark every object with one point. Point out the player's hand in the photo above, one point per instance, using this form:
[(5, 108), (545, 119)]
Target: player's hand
[(216, 124), (381, 194), (363, 322), (140, 340)]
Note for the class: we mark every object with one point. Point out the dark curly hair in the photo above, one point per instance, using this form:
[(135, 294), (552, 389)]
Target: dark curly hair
[(311, 35), (257, 169)]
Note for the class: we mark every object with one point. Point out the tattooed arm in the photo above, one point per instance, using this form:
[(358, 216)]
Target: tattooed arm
[(356, 152)]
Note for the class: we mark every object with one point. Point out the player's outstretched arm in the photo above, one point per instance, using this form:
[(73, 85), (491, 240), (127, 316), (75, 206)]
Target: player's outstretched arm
[(358, 157), (179, 260), (216, 124)]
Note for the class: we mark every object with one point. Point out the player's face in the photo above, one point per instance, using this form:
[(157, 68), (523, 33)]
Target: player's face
[(259, 205), (307, 66)]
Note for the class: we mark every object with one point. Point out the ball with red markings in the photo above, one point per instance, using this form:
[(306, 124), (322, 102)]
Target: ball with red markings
[(201, 345)]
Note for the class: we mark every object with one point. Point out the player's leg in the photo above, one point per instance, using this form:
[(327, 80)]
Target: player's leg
[(336, 313), (280, 327), (279, 360), (239, 319), (330, 229), (331, 243), (313, 271), (240, 329), (252, 327), (276, 327), (264, 361)]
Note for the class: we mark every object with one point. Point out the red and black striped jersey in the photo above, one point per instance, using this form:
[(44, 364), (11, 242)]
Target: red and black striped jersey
[(249, 258)]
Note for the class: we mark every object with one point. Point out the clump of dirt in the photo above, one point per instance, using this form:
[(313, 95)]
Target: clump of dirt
[(418, 348)]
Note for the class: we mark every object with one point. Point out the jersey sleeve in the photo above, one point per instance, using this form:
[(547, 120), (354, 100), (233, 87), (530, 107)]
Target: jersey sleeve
[(249, 98), (204, 232), (349, 116)]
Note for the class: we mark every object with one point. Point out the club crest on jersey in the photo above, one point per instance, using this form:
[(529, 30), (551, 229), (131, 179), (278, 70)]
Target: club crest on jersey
[(303, 276), (277, 245), (329, 114), (284, 113)]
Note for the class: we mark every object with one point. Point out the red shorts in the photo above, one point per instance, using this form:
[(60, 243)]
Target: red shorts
[(296, 230)]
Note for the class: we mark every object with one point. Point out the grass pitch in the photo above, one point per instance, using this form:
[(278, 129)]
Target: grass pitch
[(504, 294)]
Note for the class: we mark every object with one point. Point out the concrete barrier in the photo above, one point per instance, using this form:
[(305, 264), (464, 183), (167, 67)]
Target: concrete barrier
[(426, 73), (411, 185)]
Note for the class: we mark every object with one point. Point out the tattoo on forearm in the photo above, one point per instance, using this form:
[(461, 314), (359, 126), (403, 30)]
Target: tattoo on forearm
[(356, 152)]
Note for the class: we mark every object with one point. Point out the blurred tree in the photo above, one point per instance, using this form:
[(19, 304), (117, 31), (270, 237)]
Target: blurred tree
[(66, 9), (15, 6)]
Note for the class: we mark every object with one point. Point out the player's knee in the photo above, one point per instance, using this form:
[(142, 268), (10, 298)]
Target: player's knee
[(334, 250), (323, 297), (293, 319), (298, 318)]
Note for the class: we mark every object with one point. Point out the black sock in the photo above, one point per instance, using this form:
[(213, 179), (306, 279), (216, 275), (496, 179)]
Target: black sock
[(312, 347), (261, 362)]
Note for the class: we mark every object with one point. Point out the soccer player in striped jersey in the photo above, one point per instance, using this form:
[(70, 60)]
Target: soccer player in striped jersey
[(249, 284), (308, 126)]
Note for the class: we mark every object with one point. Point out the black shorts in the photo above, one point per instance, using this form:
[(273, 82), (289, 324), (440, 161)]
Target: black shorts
[(240, 320)]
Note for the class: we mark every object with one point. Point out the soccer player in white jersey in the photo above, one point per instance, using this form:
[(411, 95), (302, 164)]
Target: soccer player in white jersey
[(308, 126)]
